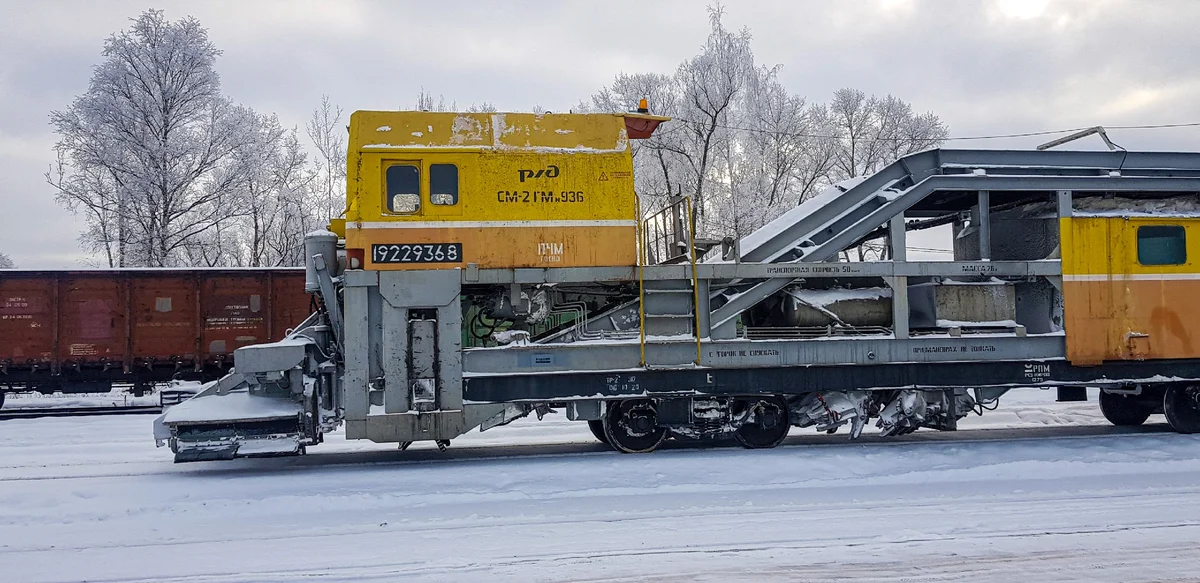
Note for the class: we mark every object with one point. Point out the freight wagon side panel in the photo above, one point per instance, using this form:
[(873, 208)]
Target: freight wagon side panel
[(233, 313), (26, 321), (289, 304), (91, 320), (165, 328)]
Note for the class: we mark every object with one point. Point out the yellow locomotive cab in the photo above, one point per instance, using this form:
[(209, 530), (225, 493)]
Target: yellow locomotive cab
[(499, 190)]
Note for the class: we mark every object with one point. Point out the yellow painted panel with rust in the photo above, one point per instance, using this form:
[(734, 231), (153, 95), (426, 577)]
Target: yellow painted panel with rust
[(526, 183), (1115, 308)]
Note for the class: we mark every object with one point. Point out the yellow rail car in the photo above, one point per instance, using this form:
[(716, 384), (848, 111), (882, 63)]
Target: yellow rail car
[(1131, 288), (499, 190)]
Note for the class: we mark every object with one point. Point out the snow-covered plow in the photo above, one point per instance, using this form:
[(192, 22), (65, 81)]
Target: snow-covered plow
[(276, 402), (443, 310), (280, 397)]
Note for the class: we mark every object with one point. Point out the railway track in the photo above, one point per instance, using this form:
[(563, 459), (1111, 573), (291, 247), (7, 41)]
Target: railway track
[(34, 412)]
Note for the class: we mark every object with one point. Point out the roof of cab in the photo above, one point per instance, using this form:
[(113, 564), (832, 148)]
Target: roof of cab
[(576, 132)]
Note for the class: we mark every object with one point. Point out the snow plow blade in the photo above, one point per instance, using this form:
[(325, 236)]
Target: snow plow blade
[(266, 438), (247, 426)]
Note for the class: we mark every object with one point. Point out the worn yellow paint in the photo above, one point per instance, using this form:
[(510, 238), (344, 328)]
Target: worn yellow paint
[(338, 227), (1115, 308), (573, 172)]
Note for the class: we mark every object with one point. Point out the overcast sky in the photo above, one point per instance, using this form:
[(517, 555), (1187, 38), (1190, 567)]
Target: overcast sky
[(985, 66)]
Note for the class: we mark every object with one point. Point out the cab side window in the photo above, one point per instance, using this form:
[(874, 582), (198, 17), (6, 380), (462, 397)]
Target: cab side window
[(443, 184), (1161, 245), (403, 188)]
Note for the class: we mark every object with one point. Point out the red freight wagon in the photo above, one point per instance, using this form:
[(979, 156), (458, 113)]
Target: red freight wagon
[(82, 331)]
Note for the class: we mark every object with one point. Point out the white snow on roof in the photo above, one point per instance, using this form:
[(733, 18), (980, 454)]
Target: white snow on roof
[(1188, 206), (1175, 207)]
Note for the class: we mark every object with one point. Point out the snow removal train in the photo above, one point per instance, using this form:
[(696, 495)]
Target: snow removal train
[(491, 265)]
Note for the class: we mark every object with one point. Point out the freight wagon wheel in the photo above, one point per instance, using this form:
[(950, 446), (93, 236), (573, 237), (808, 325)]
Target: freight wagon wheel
[(767, 424), (1123, 410), (1181, 405), (597, 427), (632, 426)]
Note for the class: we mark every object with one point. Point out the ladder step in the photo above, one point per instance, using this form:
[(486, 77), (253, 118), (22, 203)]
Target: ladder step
[(670, 316)]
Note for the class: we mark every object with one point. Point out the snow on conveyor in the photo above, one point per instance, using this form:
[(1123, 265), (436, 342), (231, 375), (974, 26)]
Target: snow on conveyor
[(1065, 498)]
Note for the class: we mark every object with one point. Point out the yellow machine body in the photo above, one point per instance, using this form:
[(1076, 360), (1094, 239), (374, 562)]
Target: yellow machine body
[(498, 190), (1131, 288)]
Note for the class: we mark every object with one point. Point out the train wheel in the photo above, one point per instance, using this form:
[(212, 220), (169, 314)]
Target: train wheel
[(1181, 405), (632, 426), (597, 427), (767, 424), (1123, 410)]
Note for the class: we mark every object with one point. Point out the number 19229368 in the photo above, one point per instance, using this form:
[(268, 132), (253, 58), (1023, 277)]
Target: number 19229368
[(417, 253)]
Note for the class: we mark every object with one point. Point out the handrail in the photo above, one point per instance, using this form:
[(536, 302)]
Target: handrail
[(641, 262), (695, 282)]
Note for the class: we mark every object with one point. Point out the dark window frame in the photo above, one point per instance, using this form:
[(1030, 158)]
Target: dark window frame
[(437, 186), (1171, 255), (388, 193)]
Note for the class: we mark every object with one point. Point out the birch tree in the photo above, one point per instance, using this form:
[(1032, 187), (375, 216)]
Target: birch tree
[(138, 152), (874, 131), (744, 147), (328, 137), (273, 192), (710, 83)]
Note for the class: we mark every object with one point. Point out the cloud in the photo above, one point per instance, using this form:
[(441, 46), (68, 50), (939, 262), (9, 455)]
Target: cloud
[(985, 66)]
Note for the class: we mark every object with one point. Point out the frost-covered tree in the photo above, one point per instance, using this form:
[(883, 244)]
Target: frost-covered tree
[(427, 102), (328, 137), (710, 84), (742, 146), (6, 262), (140, 152), (270, 200), (874, 131)]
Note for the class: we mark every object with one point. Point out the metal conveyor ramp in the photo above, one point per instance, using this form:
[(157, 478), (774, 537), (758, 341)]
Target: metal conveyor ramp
[(834, 220)]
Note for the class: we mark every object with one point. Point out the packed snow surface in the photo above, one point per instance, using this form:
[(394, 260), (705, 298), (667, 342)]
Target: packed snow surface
[(1036, 491)]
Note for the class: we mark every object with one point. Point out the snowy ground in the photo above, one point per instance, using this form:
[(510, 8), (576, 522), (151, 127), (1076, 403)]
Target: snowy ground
[(1062, 497)]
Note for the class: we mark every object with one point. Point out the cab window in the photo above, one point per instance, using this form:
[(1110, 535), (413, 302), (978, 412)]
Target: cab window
[(403, 188), (443, 184), (1161, 245)]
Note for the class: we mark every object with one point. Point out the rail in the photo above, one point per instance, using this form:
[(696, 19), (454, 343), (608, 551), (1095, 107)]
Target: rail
[(666, 236), (32, 413)]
